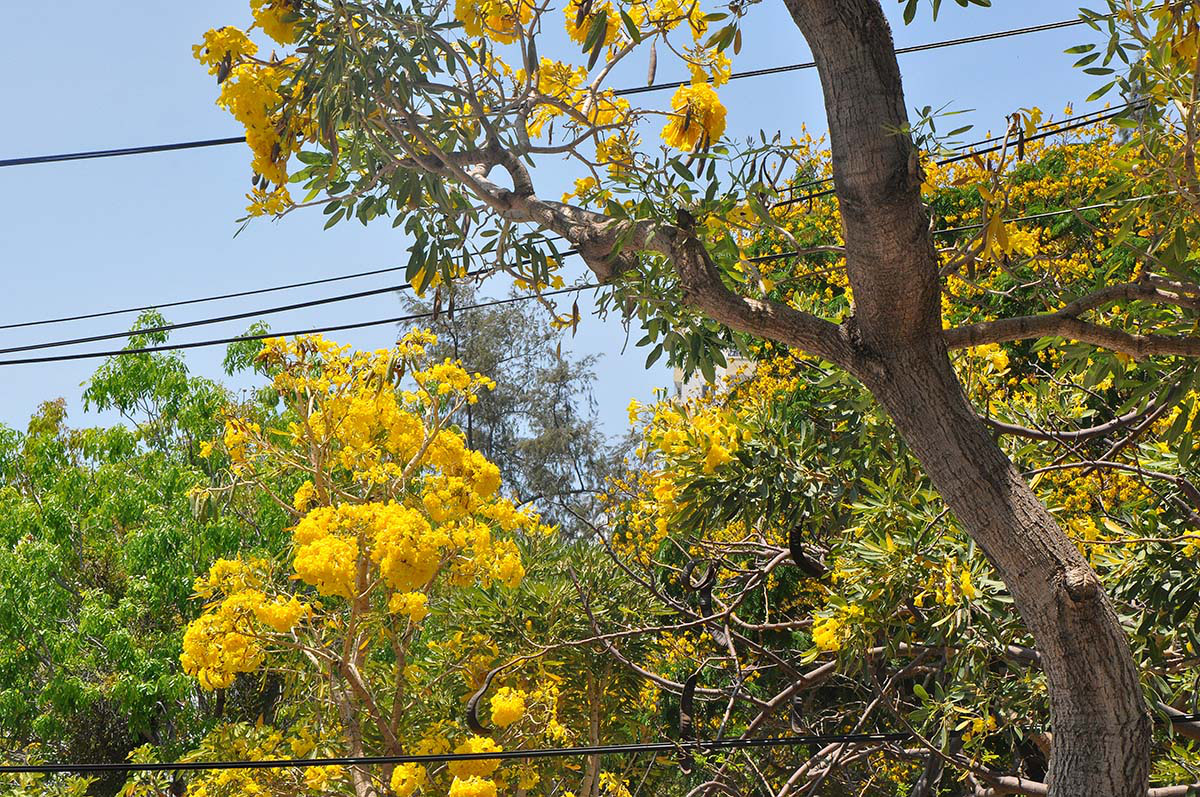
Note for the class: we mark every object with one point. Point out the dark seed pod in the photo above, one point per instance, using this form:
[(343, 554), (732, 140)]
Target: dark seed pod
[(687, 723)]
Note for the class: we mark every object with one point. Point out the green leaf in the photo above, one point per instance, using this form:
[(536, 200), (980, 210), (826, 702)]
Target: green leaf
[(1100, 92), (596, 31), (631, 27), (681, 170)]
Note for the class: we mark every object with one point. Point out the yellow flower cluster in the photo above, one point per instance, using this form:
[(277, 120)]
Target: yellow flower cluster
[(226, 45), (472, 787), (979, 726), (277, 18), (253, 93), (508, 706), (830, 632), (391, 498), (498, 20), (413, 604), (949, 589), (699, 118), (225, 640), (407, 778), (578, 26), (476, 768), (827, 633)]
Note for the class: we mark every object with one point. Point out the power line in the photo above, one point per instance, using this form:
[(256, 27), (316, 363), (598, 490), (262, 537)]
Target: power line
[(1016, 220), (437, 758), (916, 48), (114, 153), (506, 755), (1050, 128), (214, 142), (207, 321), (1050, 131), (263, 336), (217, 297), (1069, 123), (400, 319)]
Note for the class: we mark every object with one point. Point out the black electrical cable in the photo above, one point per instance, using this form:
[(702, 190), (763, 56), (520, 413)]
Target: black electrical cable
[(1016, 220), (214, 142), (916, 48), (1050, 131), (263, 336), (214, 320), (377, 291), (114, 153), (215, 298), (437, 758), (1050, 128)]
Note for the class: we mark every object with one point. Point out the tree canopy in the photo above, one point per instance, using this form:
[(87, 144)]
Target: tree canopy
[(952, 492)]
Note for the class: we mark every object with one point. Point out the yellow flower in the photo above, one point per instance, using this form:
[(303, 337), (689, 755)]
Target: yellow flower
[(414, 604), (827, 633), (508, 706), (318, 778), (304, 497), (717, 455), (276, 18), (282, 615), (578, 33), (699, 118), (964, 581), (226, 45), (407, 778), (472, 787), (476, 768), (497, 20)]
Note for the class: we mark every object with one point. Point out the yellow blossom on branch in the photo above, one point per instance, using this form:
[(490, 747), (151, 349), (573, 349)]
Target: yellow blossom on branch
[(699, 118)]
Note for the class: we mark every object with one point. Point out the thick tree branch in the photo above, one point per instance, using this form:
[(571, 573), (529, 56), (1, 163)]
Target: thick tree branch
[(1057, 325), (609, 245)]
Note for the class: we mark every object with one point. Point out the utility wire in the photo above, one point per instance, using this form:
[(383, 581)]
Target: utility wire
[(114, 153), (1062, 128), (407, 286), (206, 321), (218, 297), (1049, 129), (1016, 220), (916, 48), (215, 142), (506, 755), (263, 336), (1076, 121), (437, 758)]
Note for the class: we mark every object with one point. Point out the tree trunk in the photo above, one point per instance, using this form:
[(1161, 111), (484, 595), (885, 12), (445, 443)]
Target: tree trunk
[(1100, 723), (1101, 728)]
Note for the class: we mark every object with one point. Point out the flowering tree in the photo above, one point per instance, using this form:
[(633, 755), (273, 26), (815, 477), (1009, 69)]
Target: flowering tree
[(397, 598), (437, 118), (392, 510)]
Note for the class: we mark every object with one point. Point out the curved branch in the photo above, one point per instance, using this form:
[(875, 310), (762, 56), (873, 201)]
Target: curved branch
[(1005, 330), (1149, 413)]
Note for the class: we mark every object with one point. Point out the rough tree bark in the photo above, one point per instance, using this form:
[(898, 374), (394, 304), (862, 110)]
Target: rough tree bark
[(1100, 723)]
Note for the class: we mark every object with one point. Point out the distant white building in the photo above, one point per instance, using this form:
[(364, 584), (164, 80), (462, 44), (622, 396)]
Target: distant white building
[(697, 386)]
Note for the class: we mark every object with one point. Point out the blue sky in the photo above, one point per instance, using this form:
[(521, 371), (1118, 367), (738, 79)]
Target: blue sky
[(93, 235)]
